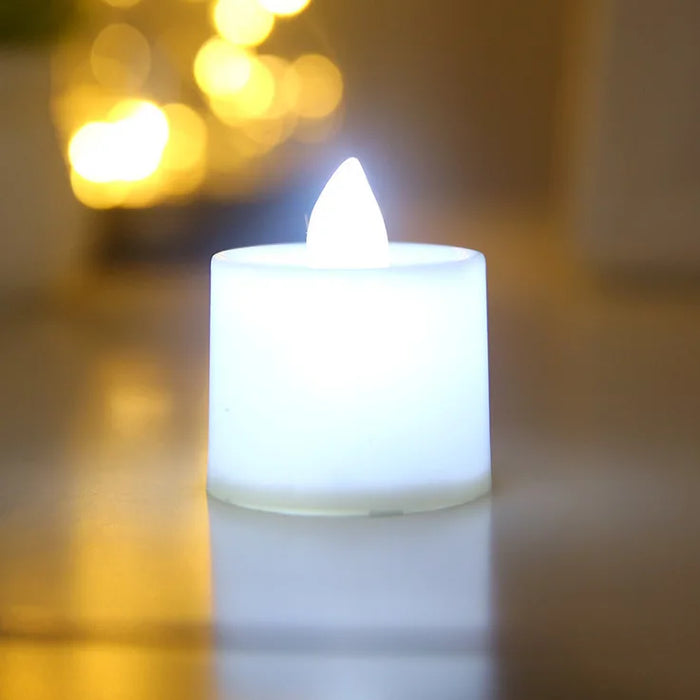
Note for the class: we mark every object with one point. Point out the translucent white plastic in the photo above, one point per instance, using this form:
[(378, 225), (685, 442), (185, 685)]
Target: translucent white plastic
[(348, 391)]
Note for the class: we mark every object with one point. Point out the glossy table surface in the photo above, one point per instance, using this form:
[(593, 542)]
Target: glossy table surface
[(578, 577)]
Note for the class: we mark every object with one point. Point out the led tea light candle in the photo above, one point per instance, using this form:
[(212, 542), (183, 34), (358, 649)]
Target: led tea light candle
[(348, 375)]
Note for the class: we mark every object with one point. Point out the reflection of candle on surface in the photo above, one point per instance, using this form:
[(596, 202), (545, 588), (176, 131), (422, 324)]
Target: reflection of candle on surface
[(348, 375), (391, 608)]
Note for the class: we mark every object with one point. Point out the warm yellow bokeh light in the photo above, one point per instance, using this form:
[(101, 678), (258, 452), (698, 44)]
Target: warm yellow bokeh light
[(221, 68), (79, 104), (93, 150), (285, 8), (139, 155), (121, 4), (251, 101), (183, 166), (226, 151), (242, 22), (316, 130), (187, 142), (134, 153), (128, 147), (142, 128), (98, 195), (120, 57), (284, 98), (145, 192), (265, 133), (315, 85)]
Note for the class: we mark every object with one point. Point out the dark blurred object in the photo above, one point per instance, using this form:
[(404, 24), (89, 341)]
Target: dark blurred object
[(193, 232), (32, 21)]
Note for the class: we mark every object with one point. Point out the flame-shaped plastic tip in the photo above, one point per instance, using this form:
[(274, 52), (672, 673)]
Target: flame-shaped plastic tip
[(346, 228)]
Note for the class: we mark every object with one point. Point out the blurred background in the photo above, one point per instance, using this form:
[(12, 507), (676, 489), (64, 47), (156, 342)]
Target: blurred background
[(186, 126), (560, 137)]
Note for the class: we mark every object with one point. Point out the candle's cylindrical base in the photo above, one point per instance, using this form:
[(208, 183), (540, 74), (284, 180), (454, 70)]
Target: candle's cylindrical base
[(348, 504), (348, 391)]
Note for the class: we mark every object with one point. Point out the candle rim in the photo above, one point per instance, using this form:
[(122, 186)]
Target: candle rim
[(247, 256)]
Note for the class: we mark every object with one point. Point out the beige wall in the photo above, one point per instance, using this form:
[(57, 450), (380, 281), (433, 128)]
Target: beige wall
[(632, 161), (449, 95)]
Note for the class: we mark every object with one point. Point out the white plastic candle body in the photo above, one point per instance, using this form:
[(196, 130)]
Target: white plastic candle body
[(348, 391)]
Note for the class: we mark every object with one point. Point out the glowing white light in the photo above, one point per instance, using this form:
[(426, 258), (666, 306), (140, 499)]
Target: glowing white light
[(346, 228)]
